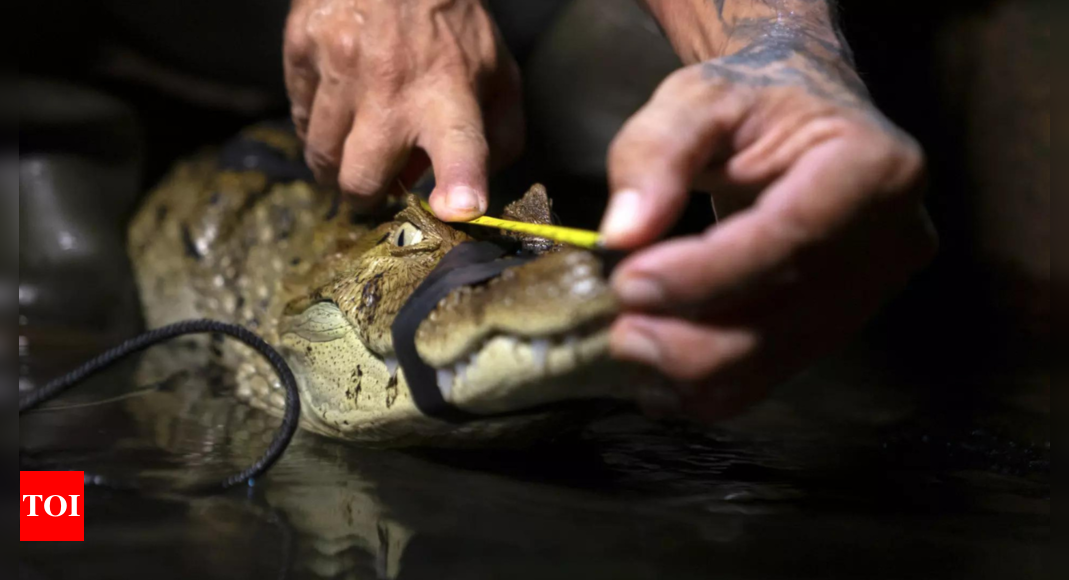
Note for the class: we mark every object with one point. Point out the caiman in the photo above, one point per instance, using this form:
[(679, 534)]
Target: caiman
[(244, 235)]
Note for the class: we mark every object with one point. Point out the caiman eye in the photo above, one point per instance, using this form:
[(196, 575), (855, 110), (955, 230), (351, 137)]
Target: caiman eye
[(407, 235)]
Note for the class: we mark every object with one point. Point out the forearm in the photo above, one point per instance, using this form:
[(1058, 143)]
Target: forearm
[(703, 29), (775, 39)]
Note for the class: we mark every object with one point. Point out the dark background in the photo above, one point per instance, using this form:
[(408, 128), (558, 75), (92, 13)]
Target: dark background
[(834, 477), (969, 79)]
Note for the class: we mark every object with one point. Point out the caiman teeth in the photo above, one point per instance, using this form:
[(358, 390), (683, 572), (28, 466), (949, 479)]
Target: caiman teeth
[(540, 352), (391, 366), (451, 375), (445, 381)]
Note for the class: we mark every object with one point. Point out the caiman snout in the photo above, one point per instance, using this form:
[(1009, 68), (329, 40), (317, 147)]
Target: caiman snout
[(535, 334)]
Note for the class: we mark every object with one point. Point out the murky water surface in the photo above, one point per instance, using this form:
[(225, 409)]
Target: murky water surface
[(783, 494)]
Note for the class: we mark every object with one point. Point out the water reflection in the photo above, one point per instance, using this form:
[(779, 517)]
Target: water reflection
[(625, 499)]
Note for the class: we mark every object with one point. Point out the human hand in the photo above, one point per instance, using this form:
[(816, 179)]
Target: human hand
[(829, 223), (370, 82)]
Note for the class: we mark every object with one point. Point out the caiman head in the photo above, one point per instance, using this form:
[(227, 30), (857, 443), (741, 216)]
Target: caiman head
[(533, 335)]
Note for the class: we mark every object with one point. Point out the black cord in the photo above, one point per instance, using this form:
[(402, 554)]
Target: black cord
[(290, 418)]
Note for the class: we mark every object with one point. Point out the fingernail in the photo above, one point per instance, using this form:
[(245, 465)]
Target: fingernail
[(637, 346), (463, 199), (659, 402), (638, 291), (621, 216)]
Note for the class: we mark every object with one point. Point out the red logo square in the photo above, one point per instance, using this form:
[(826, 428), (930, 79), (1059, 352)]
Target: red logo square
[(53, 506)]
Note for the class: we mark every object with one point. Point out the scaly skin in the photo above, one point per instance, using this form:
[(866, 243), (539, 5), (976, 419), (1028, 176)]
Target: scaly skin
[(292, 262)]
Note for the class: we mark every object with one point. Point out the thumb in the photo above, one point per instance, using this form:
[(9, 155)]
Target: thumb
[(656, 156)]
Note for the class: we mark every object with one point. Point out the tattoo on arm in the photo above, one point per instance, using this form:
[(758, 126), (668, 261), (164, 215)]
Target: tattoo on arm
[(783, 43), (766, 43)]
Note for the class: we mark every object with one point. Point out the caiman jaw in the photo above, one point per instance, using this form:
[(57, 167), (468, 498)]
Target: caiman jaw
[(532, 352), (536, 334), (503, 361)]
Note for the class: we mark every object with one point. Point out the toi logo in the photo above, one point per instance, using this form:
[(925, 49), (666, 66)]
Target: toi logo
[(52, 506)]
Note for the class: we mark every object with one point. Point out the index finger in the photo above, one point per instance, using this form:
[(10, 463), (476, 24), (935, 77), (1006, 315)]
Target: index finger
[(455, 141)]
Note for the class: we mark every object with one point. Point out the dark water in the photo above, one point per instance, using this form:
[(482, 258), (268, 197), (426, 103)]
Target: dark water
[(821, 482)]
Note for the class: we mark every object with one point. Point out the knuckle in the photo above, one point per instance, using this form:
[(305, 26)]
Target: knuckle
[(299, 115), (469, 136), (723, 351), (387, 73), (896, 160), (296, 40), (620, 150), (692, 367), (687, 85), (452, 60), (639, 137), (686, 369), (793, 227), (912, 161), (830, 123), (359, 180), (697, 359), (902, 164), (682, 79), (344, 47), (320, 159)]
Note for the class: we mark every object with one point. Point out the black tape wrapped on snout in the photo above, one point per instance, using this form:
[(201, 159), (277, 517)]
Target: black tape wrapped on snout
[(468, 263)]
